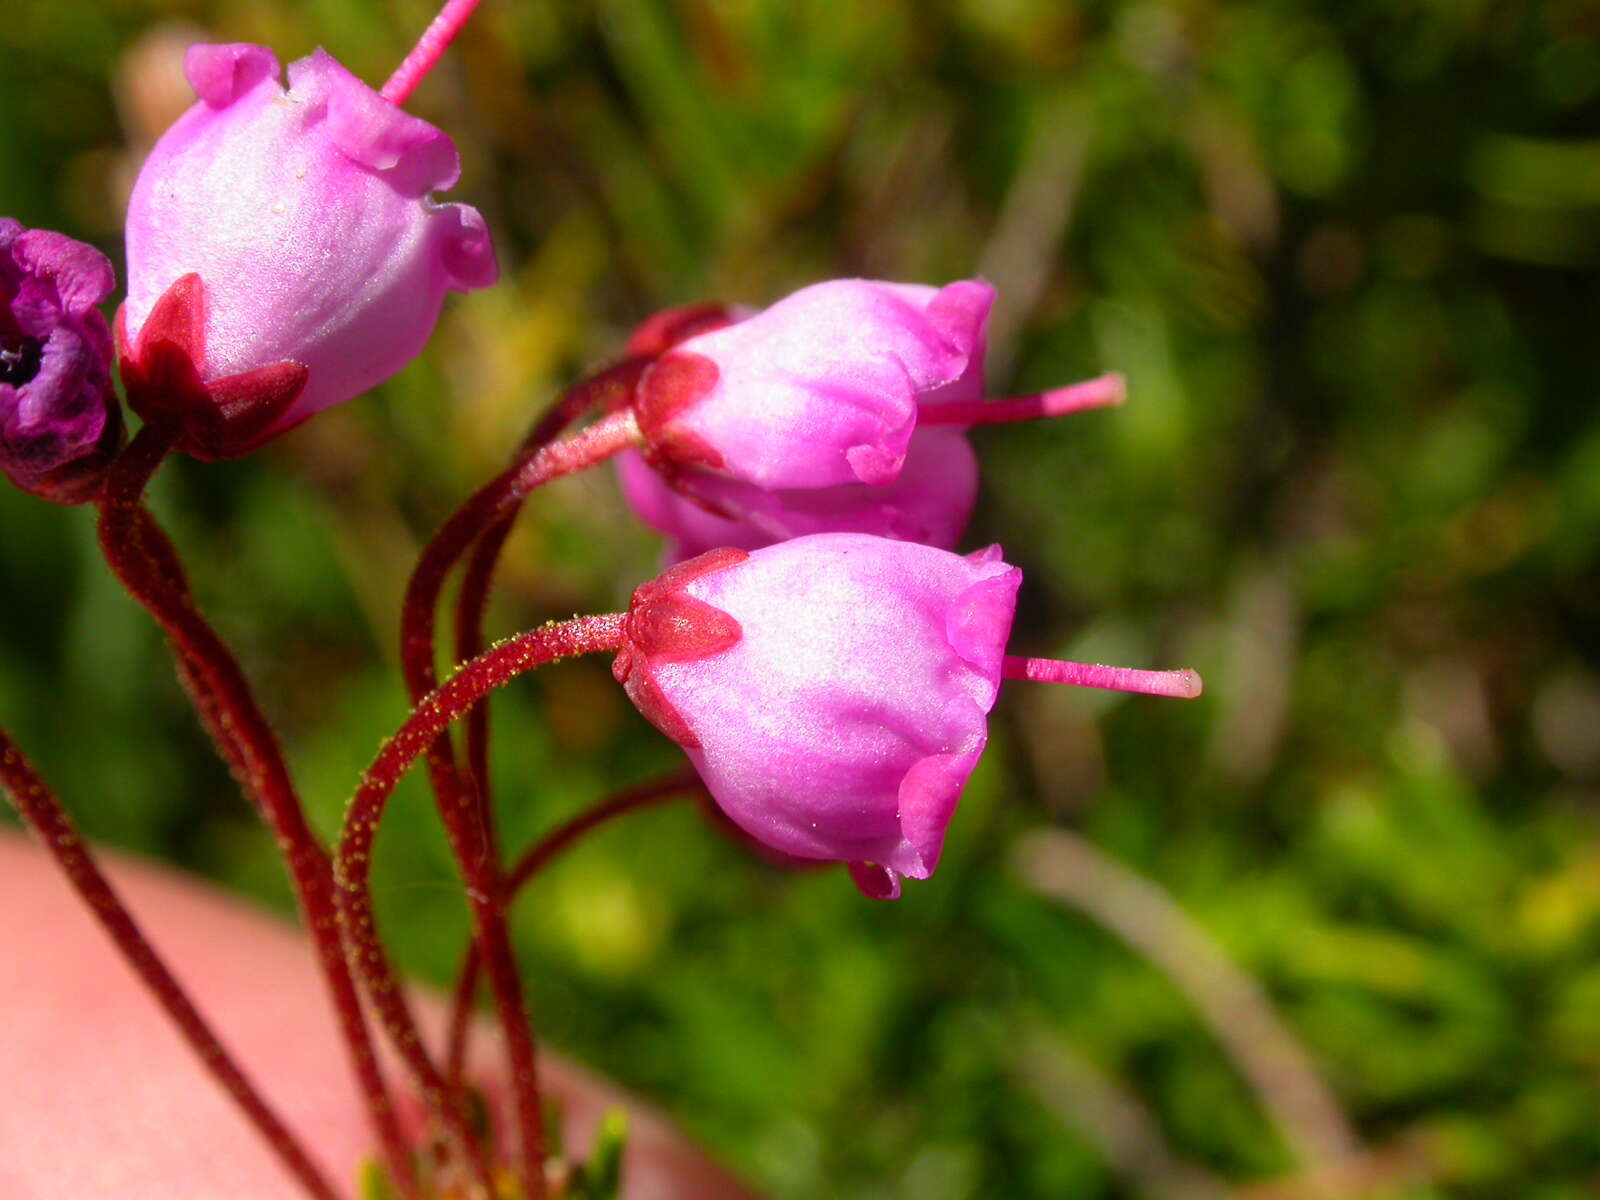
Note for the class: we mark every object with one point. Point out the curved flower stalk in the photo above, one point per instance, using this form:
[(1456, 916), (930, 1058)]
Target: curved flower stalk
[(60, 424), (353, 861), (831, 691), (144, 560)]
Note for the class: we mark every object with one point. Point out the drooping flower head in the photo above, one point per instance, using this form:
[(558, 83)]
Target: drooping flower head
[(60, 424), (820, 389), (841, 408), (284, 252), (833, 691)]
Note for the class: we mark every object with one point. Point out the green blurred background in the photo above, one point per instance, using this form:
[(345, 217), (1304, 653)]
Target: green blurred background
[(1329, 931)]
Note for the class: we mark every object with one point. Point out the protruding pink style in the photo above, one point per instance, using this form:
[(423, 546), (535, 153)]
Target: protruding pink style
[(291, 231), (430, 48), (842, 408), (1178, 685), (1104, 391), (833, 691)]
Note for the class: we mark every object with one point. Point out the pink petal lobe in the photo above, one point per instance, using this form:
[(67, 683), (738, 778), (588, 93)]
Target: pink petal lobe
[(221, 74)]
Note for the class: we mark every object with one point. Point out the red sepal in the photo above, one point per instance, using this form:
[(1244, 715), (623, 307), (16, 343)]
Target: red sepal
[(161, 373), (672, 384), (654, 706), (243, 411), (666, 625), (160, 370), (683, 574)]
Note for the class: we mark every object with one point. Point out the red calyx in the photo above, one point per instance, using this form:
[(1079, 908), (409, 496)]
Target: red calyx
[(662, 331), (672, 384), (667, 625), (225, 418)]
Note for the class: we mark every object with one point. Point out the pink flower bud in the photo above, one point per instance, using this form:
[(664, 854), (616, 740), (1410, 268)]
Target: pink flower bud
[(60, 424), (819, 390), (284, 248), (842, 408), (832, 690)]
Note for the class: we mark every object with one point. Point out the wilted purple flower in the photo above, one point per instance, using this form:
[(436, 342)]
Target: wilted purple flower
[(59, 419), (833, 690), (284, 253)]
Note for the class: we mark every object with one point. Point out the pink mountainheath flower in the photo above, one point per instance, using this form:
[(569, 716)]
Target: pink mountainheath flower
[(60, 423), (284, 253), (833, 690), (842, 408), (820, 389)]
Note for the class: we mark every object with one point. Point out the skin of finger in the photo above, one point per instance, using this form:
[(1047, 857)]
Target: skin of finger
[(102, 1098)]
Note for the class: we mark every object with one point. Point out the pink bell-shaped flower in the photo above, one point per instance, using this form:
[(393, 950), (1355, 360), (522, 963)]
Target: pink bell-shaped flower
[(820, 389), (842, 408), (284, 253), (833, 691)]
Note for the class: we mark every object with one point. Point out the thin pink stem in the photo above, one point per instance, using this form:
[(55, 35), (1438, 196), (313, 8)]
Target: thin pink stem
[(539, 856), (44, 814), (431, 717), (1179, 685), (430, 48), (1104, 392)]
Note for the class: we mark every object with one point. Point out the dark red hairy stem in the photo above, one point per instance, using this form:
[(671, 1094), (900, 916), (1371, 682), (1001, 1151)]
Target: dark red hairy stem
[(466, 802), (142, 557), (430, 718), (471, 605), (609, 390), (537, 857), (462, 805), (44, 814), (499, 499)]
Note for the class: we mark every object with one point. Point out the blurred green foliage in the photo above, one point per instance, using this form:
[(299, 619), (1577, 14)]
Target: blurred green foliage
[(1346, 254)]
